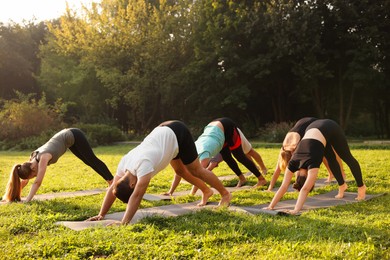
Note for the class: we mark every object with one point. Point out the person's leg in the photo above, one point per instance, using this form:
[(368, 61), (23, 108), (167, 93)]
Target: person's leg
[(256, 156), (241, 157), (82, 149), (330, 174), (209, 177), (227, 157), (334, 168), (341, 165), (189, 157), (251, 153), (181, 170), (339, 142)]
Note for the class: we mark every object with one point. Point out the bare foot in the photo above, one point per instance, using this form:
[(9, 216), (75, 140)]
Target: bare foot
[(329, 180), (225, 200), (292, 212), (268, 208), (361, 193), (166, 194), (260, 182), (342, 189), (242, 181), (205, 197)]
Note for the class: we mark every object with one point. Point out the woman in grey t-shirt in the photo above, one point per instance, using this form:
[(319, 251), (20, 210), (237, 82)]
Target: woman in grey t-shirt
[(49, 153)]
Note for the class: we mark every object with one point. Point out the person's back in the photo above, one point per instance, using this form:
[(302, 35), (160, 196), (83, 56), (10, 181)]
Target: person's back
[(301, 125)]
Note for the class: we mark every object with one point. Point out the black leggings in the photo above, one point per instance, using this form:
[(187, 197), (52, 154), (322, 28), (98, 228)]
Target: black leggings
[(335, 138), (82, 149), (242, 158), (232, 137)]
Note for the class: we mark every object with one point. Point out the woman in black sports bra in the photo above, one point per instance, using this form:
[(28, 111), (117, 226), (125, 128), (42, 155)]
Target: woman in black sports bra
[(320, 139), (290, 142)]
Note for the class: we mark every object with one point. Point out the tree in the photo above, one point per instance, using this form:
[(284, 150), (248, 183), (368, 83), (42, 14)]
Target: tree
[(19, 47)]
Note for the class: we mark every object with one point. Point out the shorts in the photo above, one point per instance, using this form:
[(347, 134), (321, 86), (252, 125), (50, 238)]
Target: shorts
[(210, 143), (187, 150)]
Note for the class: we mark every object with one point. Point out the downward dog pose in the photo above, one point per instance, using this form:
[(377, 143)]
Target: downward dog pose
[(222, 136), (320, 137), (231, 145), (248, 151), (290, 142), (47, 154), (171, 142)]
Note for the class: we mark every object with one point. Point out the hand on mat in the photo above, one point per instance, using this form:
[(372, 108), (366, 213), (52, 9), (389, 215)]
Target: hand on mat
[(268, 208), (95, 218), (166, 194)]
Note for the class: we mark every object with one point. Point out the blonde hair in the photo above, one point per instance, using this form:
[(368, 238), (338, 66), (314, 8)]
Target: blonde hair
[(291, 141), (14, 187), (284, 158)]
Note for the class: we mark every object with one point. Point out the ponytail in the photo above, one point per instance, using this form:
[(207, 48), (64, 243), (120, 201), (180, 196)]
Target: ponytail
[(14, 187), (284, 159)]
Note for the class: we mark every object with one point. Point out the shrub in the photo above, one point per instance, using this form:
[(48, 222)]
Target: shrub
[(25, 117), (275, 132), (30, 143), (100, 134)]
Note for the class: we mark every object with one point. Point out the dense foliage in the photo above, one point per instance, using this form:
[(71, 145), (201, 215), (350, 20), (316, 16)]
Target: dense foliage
[(137, 63)]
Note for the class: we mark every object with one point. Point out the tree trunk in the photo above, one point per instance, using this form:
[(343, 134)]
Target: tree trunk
[(349, 111), (317, 102)]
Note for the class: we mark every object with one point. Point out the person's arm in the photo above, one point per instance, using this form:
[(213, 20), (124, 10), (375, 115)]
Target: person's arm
[(275, 177), (282, 190), (23, 183), (136, 197), (212, 165), (309, 183), (109, 199), (42, 166), (175, 183)]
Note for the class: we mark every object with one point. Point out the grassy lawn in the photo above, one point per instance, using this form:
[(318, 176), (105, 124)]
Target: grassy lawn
[(355, 231)]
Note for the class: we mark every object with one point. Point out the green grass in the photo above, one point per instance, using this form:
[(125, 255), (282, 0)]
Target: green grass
[(355, 231)]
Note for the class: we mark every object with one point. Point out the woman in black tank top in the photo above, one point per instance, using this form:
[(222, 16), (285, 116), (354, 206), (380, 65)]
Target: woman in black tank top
[(320, 139)]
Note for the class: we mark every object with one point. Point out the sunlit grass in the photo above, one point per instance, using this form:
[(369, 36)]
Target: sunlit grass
[(354, 231)]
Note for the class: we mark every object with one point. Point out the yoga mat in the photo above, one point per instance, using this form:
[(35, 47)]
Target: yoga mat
[(165, 211), (319, 201), (325, 200), (199, 192), (70, 194), (225, 177), (319, 184), (155, 197)]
